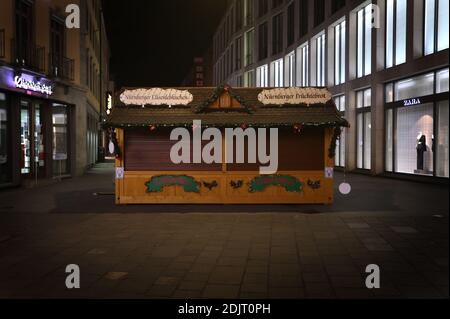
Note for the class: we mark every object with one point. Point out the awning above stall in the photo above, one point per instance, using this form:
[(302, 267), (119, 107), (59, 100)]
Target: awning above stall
[(225, 106)]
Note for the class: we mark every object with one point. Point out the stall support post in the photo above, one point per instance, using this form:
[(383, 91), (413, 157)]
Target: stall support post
[(119, 164)]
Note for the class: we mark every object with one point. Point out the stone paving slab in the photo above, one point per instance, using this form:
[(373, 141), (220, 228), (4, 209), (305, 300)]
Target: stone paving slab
[(213, 251), (160, 265)]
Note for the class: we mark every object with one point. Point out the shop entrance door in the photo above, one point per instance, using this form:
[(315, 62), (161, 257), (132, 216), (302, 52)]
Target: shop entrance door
[(32, 158)]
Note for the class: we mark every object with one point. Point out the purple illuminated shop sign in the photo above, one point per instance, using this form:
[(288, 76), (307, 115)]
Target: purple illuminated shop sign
[(29, 84), (23, 81)]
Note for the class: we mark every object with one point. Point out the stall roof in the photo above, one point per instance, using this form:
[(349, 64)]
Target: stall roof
[(250, 110)]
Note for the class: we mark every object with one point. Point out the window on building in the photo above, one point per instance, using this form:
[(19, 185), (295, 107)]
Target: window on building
[(262, 76), (276, 3), (232, 21), (249, 79), (24, 32), (417, 125), (303, 65), (239, 80), (339, 159), (395, 32), (336, 5), (248, 12), (263, 7), (290, 69), (56, 46), (239, 14), (276, 73), (303, 14), (436, 23), (226, 30), (319, 59), (249, 47), (339, 53), (263, 41), (277, 34), (363, 128), (5, 138), (238, 54), (319, 12), (92, 139), (364, 41), (291, 24), (60, 153)]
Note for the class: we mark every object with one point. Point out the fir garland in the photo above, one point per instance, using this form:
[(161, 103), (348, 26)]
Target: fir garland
[(290, 183)]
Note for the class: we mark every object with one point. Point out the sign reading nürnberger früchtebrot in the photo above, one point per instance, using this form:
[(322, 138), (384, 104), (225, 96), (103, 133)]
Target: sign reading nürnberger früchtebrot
[(283, 96), (156, 96)]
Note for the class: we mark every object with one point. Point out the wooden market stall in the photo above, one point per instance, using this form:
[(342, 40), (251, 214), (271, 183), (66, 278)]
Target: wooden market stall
[(308, 126)]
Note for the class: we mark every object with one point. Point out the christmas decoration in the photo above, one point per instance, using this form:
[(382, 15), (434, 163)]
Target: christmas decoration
[(313, 184), (157, 183), (236, 184), (298, 128), (290, 183), (211, 185)]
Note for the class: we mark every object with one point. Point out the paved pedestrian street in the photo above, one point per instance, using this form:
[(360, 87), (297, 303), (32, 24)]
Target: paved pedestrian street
[(224, 251)]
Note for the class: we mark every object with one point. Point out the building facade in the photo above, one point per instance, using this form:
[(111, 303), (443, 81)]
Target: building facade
[(53, 84), (385, 61), (201, 72)]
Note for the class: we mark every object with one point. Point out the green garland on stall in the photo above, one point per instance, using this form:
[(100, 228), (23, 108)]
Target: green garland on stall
[(290, 183), (157, 183)]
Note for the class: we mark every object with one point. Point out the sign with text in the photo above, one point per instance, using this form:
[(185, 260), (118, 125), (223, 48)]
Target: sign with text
[(156, 96), (30, 84), (294, 95)]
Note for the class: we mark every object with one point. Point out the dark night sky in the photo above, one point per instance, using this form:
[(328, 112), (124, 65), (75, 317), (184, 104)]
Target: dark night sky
[(153, 42)]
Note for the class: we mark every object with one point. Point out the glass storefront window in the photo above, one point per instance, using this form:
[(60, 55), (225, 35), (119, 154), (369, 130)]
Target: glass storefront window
[(417, 134), (363, 128), (339, 159), (443, 38), (442, 81), (442, 140), (25, 141), (414, 87), (389, 93), (389, 140), (39, 137), (60, 140), (367, 140), (414, 147), (340, 103), (5, 158)]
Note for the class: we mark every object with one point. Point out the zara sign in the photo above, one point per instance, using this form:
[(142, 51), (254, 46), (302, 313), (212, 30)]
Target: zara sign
[(411, 102)]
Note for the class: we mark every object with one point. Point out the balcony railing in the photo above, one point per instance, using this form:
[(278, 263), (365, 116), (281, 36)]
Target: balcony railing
[(28, 55), (61, 67), (2, 43)]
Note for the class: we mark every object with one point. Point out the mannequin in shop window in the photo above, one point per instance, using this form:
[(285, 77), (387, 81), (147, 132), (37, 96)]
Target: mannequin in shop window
[(421, 149)]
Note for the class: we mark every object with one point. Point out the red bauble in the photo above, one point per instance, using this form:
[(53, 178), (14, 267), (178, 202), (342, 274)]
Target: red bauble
[(298, 128)]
